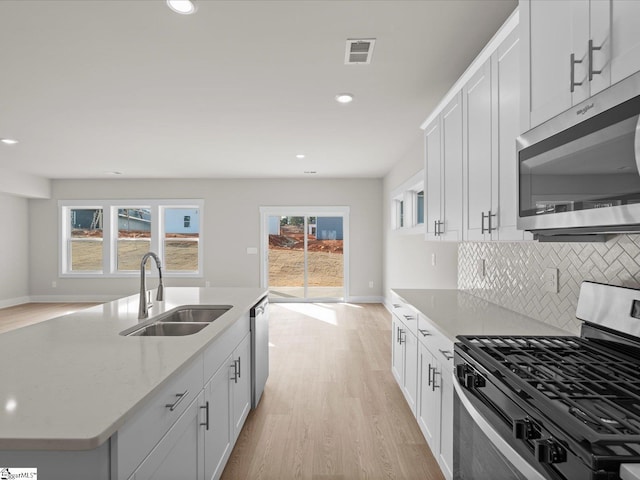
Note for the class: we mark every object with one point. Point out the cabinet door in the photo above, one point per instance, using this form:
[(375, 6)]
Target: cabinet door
[(445, 458), (477, 153), (180, 453), (397, 350), (433, 159), (452, 170), (410, 381), (506, 95), (600, 35), (218, 429), (550, 48), (428, 411), (241, 385), (625, 44)]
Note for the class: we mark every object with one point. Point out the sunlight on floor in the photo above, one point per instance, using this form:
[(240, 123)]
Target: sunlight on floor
[(313, 310)]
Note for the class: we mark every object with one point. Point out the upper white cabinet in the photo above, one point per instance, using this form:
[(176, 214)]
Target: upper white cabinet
[(443, 152), (625, 39), (491, 111), (575, 49)]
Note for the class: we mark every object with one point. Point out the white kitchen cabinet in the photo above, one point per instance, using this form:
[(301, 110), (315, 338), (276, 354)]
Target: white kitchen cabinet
[(625, 39), (435, 393), (218, 427), (405, 351), (478, 156), (180, 453), (573, 50), (397, 350), (491, 113), (241, 385), (443, 157)]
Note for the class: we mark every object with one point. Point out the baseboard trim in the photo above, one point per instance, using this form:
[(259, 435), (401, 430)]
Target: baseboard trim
[(73, 298), (12, 302)]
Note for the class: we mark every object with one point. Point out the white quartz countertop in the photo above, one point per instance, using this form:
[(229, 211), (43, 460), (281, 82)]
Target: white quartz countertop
[(455, 312), (69, 383)]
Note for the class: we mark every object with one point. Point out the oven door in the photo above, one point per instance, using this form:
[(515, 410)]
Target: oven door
[(483, 449), (580, 172)]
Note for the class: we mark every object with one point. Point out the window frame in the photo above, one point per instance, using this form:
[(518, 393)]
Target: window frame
[(110, 208), (407, 195)]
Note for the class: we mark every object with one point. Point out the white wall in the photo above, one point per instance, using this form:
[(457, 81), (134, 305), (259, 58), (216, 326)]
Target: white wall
[(14, 250), (407, 258), (231, 224)]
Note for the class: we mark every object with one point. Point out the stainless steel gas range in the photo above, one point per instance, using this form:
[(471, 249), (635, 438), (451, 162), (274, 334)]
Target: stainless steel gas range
[(534, 407)]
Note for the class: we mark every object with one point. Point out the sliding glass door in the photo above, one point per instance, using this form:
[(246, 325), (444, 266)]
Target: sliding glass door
[(304, 254)]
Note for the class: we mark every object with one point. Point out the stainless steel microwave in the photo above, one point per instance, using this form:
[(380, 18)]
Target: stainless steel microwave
[(579, 173)]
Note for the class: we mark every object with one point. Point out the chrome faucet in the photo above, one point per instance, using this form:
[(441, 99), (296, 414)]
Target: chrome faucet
[(143, 310)]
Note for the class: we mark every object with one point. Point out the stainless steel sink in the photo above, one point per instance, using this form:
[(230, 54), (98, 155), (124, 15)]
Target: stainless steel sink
[(165, 329), (198, 314), (181, 321)]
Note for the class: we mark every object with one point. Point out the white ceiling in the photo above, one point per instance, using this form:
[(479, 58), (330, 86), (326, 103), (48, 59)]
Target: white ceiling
[(236, 90)]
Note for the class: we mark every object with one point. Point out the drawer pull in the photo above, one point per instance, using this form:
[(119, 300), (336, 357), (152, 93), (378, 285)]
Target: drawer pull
[(425, 333), (206, 421), (447, 354), (395, 305), (408, 317), (174, 405)]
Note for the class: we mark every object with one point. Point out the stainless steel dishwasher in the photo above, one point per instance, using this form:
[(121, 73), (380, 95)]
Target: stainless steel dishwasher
[(259, 349)]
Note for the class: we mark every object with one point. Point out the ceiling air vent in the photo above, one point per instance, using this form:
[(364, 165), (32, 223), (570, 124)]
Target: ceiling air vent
[(359, 51)]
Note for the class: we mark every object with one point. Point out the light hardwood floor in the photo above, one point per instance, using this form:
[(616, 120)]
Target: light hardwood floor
[(30, 313), (331, 408)]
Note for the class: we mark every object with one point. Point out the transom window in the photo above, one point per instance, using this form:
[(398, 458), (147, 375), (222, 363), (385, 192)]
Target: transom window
[(109, 237), (407, 209)]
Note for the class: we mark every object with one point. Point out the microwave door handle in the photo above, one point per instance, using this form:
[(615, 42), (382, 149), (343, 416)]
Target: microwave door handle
[(637, 144), (496, 439)]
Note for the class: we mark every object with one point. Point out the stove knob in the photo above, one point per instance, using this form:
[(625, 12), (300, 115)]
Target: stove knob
[(523, 429), (549, 451)]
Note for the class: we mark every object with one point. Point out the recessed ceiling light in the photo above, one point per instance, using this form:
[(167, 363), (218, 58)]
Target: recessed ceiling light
[(183, 7), (115, 172), (344, 98), (9, 141), (300, 155)]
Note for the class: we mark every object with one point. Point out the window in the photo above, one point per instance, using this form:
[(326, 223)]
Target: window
[(108, 238), (407, 212)]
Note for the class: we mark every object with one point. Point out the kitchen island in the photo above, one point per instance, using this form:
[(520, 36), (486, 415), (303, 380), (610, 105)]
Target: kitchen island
[(70, 386)]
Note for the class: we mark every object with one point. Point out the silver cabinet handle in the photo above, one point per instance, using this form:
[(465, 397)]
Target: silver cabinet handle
[(400, 339), (206, 422), (425, 333), (433, 382), (408, 317), (435, 228), (395, 305), (429, 376), (573, 61), (174, 405), (235, 371), (592, 72), (488, 216), (446, 354), (239, 367), (397, 334)]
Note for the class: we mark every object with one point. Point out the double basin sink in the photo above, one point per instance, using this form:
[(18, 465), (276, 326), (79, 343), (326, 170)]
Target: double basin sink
[(180, 321)]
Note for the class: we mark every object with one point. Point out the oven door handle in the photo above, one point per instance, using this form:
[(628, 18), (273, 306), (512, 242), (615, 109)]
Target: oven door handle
[(496, 439)]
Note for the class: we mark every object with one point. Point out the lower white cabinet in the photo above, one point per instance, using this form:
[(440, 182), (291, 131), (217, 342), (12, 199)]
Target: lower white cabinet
[(217, 421), (404, 364), (423, 367), (241, 384), (180, 453)]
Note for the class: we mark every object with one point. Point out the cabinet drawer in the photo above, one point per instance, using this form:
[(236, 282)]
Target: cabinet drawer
[(407, 316), (141, 433), (439, 345)]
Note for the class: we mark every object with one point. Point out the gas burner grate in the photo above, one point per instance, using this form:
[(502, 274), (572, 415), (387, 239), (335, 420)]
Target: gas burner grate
[(598, 387)]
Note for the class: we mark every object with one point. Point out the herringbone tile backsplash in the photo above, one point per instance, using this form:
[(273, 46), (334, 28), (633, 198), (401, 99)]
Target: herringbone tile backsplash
[(514, 272)]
